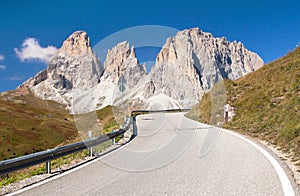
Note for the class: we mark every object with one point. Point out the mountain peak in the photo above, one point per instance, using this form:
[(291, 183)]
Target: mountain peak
[(75, 67), (121, 60), (120, 56), (78, 42), (121, 69), (192, 62), (194, 32)]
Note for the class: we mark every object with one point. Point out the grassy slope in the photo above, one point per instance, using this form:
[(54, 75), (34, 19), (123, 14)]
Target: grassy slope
[(107, 119), (267, 103), (29, 124)]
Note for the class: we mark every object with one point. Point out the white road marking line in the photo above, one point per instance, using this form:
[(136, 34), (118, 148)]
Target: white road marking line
[(284, 180)]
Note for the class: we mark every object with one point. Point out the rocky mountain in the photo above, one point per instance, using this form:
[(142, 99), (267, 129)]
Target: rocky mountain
[(73, 69), (121, 61), (189, 64), (121, 74), (75, 76)]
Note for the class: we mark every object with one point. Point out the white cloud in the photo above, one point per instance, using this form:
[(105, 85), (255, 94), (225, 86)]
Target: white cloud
[(31, 50), (2, 66)]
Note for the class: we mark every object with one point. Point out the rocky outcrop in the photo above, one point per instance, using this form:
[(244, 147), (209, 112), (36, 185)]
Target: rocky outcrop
[(121, 61), (74, 68), (76, 63), (121, 74), (190, 63)]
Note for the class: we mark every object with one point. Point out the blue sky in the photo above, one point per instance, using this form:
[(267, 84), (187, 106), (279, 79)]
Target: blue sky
[(270, 28)]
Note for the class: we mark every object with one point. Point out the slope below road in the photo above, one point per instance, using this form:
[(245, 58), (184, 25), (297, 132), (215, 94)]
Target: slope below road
[(176, 156)]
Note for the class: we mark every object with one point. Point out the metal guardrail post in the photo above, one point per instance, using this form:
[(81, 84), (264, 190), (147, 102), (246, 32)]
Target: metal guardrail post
[(48, 167), (91, 148), (113, 140), (134, 127)]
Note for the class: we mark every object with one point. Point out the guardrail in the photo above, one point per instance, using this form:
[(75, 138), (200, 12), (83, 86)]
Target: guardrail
[(135, 113), (18, 163)]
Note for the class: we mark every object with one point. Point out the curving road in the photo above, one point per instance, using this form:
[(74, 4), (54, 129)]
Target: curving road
[(173, 155)]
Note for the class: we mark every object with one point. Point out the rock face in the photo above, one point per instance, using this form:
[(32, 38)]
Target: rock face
[(121, 74), (75, 67), (190, 63), (121, 61)]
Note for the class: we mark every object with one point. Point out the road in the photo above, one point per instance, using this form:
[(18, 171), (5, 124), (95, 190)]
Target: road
[(173, 155)]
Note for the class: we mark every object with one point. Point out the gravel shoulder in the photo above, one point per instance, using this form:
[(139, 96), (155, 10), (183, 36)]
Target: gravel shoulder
[(286, 161)]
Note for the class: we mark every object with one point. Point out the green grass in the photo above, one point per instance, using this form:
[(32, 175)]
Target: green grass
[(108, 119), (267, 103), (8, 179), (29, 124)]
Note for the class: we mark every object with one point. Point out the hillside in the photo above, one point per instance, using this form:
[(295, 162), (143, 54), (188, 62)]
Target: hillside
[(29, 124), (267, 103)]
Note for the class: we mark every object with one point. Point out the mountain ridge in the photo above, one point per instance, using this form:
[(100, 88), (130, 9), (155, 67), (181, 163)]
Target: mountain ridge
[(188, 65)]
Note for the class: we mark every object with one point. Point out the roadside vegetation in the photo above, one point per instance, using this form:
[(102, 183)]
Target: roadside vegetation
[(267, 104), (29, 124)]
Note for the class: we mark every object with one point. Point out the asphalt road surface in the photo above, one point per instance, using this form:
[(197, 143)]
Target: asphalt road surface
[(173, 155)]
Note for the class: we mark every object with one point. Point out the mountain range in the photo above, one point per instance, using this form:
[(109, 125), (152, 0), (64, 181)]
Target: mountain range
[(187, 66)]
